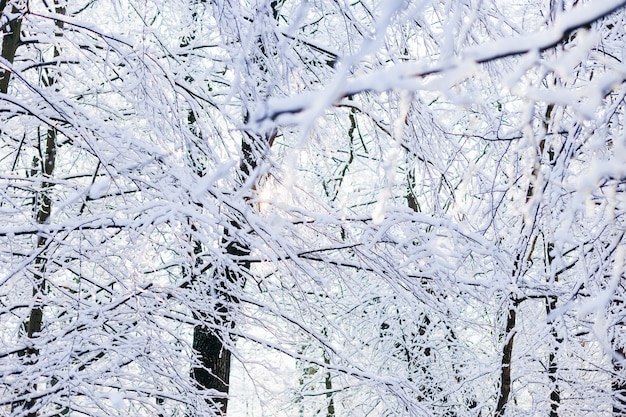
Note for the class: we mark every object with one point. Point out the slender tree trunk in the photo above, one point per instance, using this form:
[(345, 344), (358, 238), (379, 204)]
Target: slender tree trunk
[(551, 300), (505, 367), (555, 393), (553, 366), (210, 342), (425, 321), (43, 166), (619, 383), (11, 39), (328, 384)]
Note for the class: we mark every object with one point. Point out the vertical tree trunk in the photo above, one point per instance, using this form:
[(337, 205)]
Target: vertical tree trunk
[(555, 393), (43, 166), (211, 344), (215, 360), (619, 383), (551, 300), (618, 377), (518, 265), (553, 366), (424, 325), (11, 40), (505, 366), (328, 384)]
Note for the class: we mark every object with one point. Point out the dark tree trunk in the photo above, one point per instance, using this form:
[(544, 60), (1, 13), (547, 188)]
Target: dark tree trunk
[(619, 383), (212, 344), (10, 42), (505, 367), (43, 167), (555, 393), (215, 360)]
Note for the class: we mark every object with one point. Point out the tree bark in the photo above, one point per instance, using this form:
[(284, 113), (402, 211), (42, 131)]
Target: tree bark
[(43, 166), (215, 358), (505, 367), (551, 300), (212, 344), (619, 383), (11, 39)]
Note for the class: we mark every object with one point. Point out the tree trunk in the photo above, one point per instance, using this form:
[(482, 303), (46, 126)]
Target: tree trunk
[(44, 167), (212, 344), (553, 367), (619, 383), (551, 300), (505, 367), (10, 41), (215, 360)]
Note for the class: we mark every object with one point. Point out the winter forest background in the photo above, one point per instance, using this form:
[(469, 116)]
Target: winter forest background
[(312, 208)]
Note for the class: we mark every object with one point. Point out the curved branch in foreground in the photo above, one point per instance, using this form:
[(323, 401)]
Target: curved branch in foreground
[(292, 110)]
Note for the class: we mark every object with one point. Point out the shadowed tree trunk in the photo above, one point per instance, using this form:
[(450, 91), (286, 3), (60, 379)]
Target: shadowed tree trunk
[(11, 21), (618, 377), (551, 300), (555, 392), (619, 383), (505, 367), (43, 167), (212, 343)]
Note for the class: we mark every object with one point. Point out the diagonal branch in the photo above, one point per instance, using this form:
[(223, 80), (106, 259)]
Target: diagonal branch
[(403, 76)]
